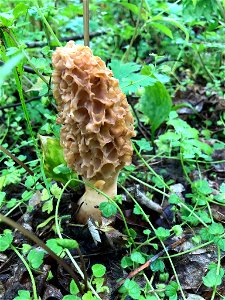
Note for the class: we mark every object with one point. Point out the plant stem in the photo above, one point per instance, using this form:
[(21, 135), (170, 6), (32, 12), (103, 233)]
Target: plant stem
[(83, 275), (47, 24), (126, 54), (86, 22), (28, 270), (10, 33)]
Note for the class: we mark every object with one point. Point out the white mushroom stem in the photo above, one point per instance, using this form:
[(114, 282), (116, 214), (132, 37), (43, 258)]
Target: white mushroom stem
[(91, 199)]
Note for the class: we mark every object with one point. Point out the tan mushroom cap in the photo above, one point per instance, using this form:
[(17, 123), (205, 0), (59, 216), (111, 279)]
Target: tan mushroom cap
[(96, 121)]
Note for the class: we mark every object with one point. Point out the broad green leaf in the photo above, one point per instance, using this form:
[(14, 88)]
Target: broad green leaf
[(6, 19), (164, 29), (175, 23), (156, 104), (20, 10), (54, 160), (135, 9), (171, 290), (54, 246), (7, 68), (126, 262)]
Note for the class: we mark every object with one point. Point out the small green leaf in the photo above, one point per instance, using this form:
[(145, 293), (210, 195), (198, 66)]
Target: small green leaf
[(108, 209), (5, 240), (157, 265), (156, 104), (202, 186), (143, 144), (71, 297), (56, 190), (35, 258), (177, 230), (133, 289), (98, 270), (73, 288), (53, 245), (23, 295), (6, 20), (171, 290), (54, 162), (216, 229), (67, 243), (126, 262), (213, 277), (162, 233), (137, 257)]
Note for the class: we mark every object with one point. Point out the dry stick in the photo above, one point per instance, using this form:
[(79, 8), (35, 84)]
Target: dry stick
[(86, 22), (40, 243), (151, 260), (19, 103), (37, 44)]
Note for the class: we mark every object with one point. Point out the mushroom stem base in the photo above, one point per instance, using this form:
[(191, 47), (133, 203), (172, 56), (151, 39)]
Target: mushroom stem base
[(91, 199)]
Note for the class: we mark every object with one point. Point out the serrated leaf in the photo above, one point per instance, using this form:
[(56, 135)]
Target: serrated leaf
[(143, 144), (156, 104), (129, 76)]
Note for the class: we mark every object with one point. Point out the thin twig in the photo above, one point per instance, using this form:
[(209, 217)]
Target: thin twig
[(19, 103), (37, 44), (150, 261)]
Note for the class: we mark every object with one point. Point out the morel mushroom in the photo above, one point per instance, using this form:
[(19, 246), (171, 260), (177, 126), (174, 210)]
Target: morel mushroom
[(96, 123)]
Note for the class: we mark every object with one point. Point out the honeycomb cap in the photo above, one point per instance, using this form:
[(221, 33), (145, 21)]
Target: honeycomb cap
[(97, 125)]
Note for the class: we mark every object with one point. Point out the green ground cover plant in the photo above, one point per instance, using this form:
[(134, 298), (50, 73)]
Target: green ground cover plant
[(163, 235)]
